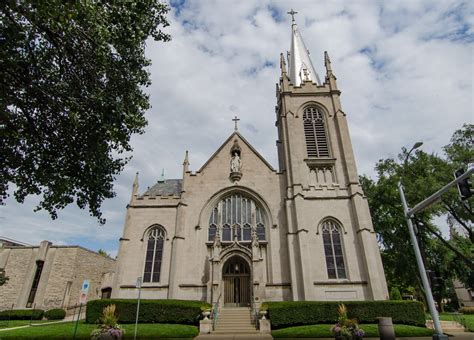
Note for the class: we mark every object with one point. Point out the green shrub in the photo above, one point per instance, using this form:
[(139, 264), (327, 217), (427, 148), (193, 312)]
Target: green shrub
[(296, 313), (22, 314), (395, 294), (55, 314), (467, 310), (151, 311)]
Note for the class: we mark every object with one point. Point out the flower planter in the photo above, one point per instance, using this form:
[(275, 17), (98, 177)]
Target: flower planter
[(107, 336)]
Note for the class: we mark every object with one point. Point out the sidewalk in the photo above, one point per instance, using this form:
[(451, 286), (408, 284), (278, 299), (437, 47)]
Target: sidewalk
[(456, 336)]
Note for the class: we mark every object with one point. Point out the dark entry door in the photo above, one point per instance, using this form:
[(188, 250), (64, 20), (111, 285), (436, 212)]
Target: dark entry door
[(236, 283)]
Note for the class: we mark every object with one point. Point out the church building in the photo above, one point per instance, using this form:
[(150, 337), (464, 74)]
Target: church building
[(239, 232)]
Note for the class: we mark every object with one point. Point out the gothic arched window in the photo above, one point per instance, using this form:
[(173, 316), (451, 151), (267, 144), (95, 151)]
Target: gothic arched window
[(154, 254), (315, 132), (333, 250), (236, 217)]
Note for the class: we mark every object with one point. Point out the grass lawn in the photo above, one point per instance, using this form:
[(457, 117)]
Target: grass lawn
[(323, 331), (66, 330), (16, 323), (469, 318)]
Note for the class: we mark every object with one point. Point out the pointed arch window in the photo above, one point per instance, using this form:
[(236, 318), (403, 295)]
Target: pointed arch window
[(154, 254), (236, 216), (333, 250), (315, 132)]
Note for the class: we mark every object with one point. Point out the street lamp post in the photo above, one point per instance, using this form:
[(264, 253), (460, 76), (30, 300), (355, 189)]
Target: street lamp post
[(421, 267)]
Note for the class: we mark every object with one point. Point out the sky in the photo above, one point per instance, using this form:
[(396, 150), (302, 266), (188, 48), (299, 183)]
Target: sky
[(405, 69)]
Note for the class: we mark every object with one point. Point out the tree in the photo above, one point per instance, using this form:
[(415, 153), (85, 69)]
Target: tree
[(72, 81), (395, 294), (103, 253), (422, 174), (3, 278)]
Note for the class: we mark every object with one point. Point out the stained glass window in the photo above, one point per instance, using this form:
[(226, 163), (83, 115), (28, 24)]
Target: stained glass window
[(233, 217), (333, 250), (154, 255)]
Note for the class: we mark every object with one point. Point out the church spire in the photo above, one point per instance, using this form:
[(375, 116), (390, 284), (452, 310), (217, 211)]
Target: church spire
[(186, 163), (135, 186), (300, 66)]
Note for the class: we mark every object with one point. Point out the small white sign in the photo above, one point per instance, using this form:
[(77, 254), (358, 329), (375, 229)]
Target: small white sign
[(139, 282), (83, 298)]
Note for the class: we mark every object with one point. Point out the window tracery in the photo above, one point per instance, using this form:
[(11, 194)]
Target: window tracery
[(333, 250), (154, 255), (236, 216)]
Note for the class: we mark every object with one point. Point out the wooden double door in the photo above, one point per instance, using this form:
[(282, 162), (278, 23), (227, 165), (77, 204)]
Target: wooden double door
[(236, 277)]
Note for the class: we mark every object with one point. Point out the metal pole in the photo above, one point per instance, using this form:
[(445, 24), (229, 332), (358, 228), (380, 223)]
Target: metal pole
[(77, 321), (421, 268), (32, 311), (433, 198), (9, 315), (139, 284)]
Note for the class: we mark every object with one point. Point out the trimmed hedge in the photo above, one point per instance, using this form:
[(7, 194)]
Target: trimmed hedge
[(151, 311), (55, 314), (22, 314), (298, 313), (467, 310)]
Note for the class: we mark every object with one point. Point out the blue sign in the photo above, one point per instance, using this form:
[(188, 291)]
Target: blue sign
[(85, 286)]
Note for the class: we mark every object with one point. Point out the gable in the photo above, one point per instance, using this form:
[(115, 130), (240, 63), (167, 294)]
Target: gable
[(249, 154)]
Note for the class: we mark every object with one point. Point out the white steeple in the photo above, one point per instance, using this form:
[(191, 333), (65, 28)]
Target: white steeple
[(299, 64)]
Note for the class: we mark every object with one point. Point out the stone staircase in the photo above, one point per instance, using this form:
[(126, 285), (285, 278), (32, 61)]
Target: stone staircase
[(451, 327), (447, 326), (235, 321)]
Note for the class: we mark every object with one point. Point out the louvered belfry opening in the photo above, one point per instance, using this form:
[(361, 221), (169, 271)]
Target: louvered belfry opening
[(315, 132)]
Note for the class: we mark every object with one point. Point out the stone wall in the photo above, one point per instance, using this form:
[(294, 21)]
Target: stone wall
[(64, 270)]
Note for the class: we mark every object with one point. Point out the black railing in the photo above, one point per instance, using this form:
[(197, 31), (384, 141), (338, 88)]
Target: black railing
[(215, 313)]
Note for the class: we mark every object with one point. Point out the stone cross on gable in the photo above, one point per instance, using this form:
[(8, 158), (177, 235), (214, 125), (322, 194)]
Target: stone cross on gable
[(235, 120)]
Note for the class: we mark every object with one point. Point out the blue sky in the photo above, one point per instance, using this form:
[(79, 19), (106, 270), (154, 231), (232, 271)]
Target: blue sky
[(405, 69)]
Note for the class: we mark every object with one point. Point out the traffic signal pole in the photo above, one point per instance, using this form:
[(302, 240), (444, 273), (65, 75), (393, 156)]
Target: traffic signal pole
[(421, 267), (409, 213), (435, 197)]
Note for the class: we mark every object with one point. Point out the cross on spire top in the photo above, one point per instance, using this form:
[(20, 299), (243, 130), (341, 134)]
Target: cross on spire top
[(235, 120), (292, 13)]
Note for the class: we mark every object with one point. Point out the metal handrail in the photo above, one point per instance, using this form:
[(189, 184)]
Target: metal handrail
[(254, 313), (215, 312)]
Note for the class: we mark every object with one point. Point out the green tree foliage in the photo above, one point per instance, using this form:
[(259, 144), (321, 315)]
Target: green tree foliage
[(395, 294), (103, 253), (3, 278), (72, 81), (422, 174)]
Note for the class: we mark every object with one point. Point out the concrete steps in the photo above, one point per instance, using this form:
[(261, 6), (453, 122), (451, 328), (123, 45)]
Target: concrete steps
[(447, 326), (451, 327), (235, 321)]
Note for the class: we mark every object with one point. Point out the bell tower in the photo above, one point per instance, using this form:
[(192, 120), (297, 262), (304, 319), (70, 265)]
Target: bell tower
[(316, 157)]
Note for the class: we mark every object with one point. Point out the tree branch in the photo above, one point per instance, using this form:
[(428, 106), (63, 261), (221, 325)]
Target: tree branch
[(458, 219), (468, 262)]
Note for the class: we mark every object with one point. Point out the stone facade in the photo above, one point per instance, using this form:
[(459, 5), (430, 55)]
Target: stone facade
[(63, 272), (294, 206)]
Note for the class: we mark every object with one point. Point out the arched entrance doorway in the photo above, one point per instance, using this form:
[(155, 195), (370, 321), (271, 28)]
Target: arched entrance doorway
[(236, 277)]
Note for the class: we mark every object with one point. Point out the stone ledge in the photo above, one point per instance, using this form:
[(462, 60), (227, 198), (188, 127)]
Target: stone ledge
[(283, 284), (143, 287), (329, 283)]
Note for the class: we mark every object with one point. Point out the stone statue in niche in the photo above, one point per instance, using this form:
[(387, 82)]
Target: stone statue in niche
[(235, 163)]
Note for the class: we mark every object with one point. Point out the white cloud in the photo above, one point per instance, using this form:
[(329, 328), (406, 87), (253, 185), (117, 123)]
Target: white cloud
[(405, 70)]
